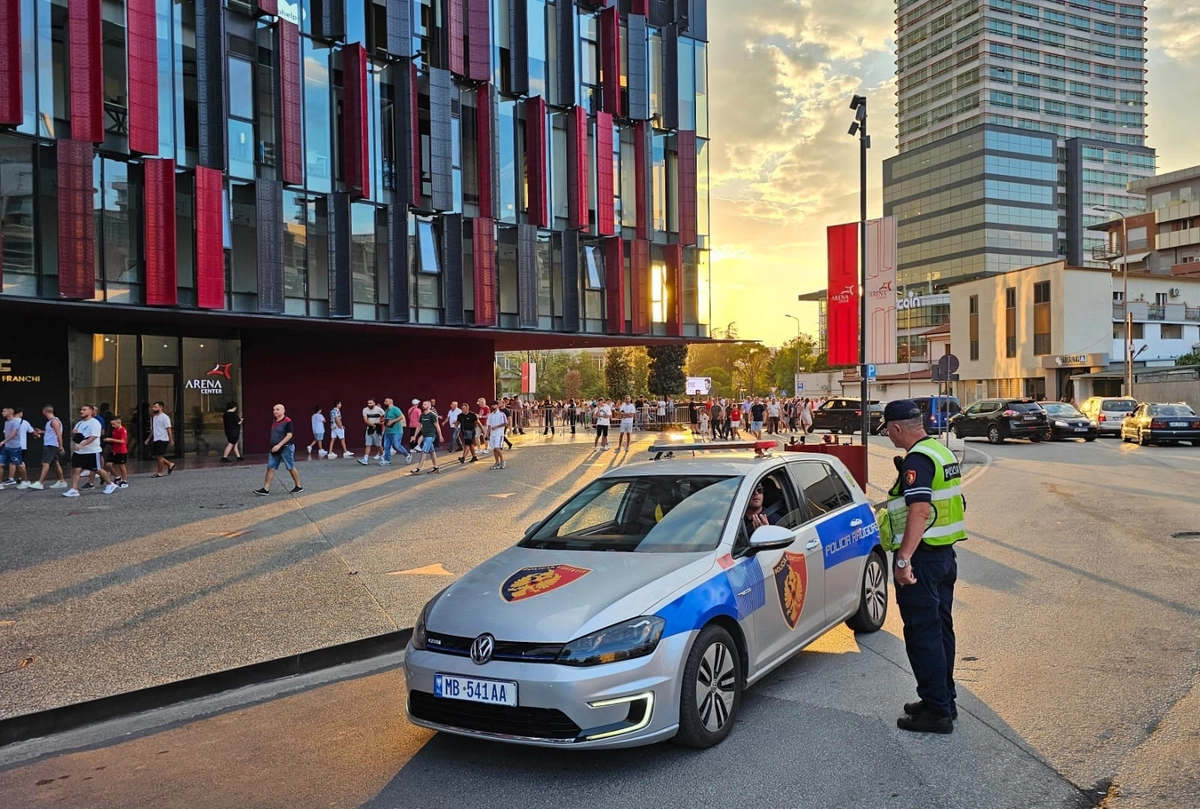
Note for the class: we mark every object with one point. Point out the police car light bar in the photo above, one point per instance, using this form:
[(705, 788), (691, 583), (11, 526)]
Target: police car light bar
[(670, 448)]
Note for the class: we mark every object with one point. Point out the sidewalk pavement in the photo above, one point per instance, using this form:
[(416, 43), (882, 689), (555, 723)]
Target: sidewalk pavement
[(192, 574)]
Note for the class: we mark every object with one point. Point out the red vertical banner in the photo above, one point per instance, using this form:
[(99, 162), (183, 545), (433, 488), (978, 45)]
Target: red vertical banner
[(291, 156), (641, 176), (577, 168), (605, 210), (479, 40), (142, 57), (162, 288), (484, 107), (210, 245), (535, 161), (76, 221), (356, 151), (610, 59), (688, 210), (614, 286), (269, 7), (640, 293), (454, 25), (639, 7), (483, 254), (85, 74), (673, 293), (842, 304), (10, 62)]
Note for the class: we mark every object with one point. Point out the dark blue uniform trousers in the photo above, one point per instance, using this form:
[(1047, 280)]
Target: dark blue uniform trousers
[(929, 627)]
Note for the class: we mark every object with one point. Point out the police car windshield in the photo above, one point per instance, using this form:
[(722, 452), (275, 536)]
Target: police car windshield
[(646, 514)]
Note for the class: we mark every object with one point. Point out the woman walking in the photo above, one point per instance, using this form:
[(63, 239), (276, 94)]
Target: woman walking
[(232, 421)]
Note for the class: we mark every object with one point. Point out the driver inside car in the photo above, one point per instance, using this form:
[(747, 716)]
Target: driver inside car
[(756, 513)]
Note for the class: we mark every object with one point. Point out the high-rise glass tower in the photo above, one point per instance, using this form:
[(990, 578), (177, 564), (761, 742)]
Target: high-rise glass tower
[(1015, 120)]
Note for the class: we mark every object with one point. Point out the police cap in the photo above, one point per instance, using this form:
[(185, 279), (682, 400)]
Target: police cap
[(901, 410)]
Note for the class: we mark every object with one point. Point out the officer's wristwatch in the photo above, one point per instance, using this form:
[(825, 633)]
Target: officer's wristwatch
[(901, 562)]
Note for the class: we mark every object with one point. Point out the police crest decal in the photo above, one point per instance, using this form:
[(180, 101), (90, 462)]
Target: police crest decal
[(791, 583), (533, 581)]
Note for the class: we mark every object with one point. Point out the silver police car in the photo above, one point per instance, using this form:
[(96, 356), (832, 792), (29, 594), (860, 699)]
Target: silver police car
[(641, 608)]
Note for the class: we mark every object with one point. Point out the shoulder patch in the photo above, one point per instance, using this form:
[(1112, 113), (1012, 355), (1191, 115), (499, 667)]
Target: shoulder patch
[(910, 477)]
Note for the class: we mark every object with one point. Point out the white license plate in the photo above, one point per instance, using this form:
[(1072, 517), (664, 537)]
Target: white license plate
[(1081, 429), (1179, 424), (473, 689), (1030, 418)]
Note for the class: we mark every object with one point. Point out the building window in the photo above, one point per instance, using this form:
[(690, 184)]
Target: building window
[(427, 254), (1010, 322), (593, 277), (975, 350), (1172, 331), (973, 310), (1160, 299)]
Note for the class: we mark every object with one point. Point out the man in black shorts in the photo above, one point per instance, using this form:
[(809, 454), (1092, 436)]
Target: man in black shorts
[(468, 423)]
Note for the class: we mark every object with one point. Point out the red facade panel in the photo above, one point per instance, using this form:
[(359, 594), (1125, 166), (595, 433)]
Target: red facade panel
[(614, 286), (356, 151), (640, 293), (641, 176), (673, 294), (210, 251), (76, 221), (639, 7), (291, 156), (479, 45), (454, 24), (85, 70), (269, 7), (535, 160), (605, 215), (484, 256), (484, 107), (610, 59), (842, 296), (686, 143), (10, 62), (577, 169), (162, 288), (142, 56)]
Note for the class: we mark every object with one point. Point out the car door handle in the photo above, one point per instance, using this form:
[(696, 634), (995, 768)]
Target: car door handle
[(855, 522), (746, 592), (812, 543)]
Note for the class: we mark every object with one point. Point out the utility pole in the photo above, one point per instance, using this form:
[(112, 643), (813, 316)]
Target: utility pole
[(859, 127)]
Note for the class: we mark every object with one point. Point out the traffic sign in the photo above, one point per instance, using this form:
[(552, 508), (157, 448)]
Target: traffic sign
[(872, 373), (799, 385)]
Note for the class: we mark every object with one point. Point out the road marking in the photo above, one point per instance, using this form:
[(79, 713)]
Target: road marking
[(502, 496), (7, 623), (230, 534), (429, 570)]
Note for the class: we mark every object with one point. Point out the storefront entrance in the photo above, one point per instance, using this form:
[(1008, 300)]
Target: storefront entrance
[(160, 385)]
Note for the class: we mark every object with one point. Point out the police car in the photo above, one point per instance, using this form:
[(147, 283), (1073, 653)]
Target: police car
[(642, 607)]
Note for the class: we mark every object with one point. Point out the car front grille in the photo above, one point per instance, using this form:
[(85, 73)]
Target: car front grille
[(534, 723), (512, 651)]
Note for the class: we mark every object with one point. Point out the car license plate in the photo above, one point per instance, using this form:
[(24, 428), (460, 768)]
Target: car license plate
[(1081, 429), (1179, 424), (473, 689), (1030, 418)]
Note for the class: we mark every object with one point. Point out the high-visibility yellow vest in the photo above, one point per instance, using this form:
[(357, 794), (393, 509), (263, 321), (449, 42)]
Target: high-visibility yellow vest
[(947, 523)]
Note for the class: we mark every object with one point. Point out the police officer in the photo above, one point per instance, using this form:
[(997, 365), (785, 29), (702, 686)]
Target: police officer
[(925, 510)]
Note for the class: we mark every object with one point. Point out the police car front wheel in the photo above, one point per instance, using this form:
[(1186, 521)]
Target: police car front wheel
[(712, 689), (873, 599)]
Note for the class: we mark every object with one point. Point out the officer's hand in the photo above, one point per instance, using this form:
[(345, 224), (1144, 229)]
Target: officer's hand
[(905, 576)]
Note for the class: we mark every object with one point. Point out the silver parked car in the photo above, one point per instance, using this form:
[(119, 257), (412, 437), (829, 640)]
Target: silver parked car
[(641, 608), (1109, 412)]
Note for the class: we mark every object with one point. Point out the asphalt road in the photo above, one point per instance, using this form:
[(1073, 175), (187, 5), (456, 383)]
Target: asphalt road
[(1077, 617)]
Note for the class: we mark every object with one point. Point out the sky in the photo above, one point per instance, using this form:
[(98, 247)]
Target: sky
[(781, 75)]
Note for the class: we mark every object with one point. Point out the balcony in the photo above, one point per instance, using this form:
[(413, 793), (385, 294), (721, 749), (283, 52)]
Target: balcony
[(1143, 312), (1177, 238), (1109, 253)]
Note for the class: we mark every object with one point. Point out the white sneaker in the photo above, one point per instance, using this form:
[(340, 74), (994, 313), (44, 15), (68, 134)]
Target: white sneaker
[(59, 484), (309, 450), (363, 460), (71, 493), (110, 488), (36, 486), (24, 484), (322, 453), (330, 455), (344, 455), (385, 463)]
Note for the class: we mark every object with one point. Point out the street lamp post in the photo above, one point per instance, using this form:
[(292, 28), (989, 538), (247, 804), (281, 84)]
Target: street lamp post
[(859, 127), (1127, 381), (796, 376)]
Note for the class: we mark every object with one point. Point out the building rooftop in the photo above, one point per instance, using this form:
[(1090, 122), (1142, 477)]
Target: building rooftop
[(1143, 186)]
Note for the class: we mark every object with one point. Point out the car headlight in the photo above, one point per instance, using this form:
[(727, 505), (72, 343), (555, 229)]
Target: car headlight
[(418, 633), (637, 637), (1058, 423)]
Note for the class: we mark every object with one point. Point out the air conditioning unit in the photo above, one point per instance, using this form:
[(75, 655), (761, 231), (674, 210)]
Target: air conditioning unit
[(1174, 292)]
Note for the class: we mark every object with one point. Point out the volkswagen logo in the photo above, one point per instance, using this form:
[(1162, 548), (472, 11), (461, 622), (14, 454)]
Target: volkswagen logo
[(482, 648)]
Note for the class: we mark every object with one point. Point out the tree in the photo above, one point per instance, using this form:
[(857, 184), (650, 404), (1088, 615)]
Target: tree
[(752, 370), (666, 370), (784, 365), (618, 373), (722, 382), (573, 385), (1189, 359), (640, 368)]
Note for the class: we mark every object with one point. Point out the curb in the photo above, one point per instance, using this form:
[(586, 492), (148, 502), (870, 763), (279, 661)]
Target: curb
[(69, 717)]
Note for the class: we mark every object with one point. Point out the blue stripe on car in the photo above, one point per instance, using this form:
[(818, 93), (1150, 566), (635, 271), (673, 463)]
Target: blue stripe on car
[(747, 575), (698, 606), (842, 541)]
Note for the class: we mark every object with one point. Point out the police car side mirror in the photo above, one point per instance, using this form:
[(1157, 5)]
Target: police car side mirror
[(770, 537)]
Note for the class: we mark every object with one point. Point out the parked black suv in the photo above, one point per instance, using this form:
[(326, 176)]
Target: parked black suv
[(998, 419), (845, 416)]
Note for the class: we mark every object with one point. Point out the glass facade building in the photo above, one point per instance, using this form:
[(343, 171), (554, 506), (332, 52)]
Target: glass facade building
[(491, 174)]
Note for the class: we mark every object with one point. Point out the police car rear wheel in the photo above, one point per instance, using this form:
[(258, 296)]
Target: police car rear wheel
[(712, 689), (873, 599)]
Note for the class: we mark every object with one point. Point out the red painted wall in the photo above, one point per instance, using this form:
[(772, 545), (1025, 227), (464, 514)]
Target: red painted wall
[(303, 370)]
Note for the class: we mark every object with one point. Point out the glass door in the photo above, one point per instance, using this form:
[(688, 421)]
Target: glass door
[(160, 385)]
